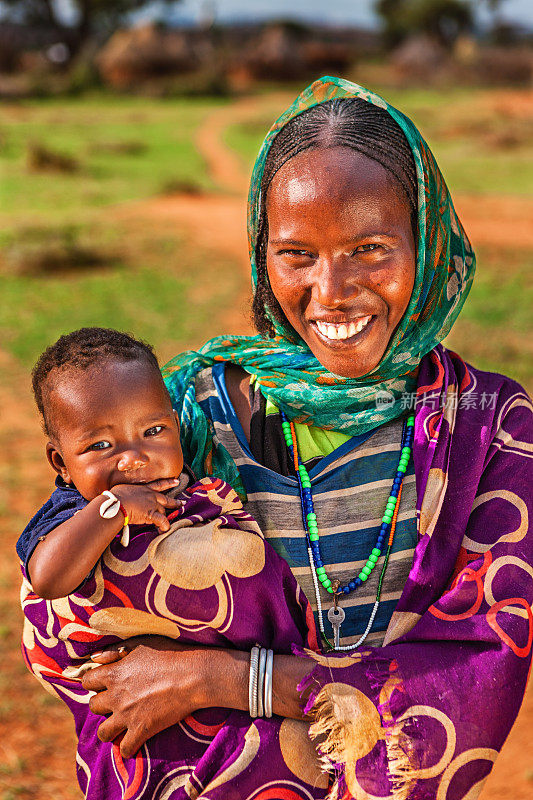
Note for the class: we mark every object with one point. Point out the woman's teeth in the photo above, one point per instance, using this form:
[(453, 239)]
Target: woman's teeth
[(343, 331)]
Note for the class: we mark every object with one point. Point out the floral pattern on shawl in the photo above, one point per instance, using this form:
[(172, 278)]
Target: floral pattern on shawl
[(437, 701), (212, 580)]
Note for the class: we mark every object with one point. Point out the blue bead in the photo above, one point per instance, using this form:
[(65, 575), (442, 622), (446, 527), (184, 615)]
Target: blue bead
[(384, 527), (394, 493), (318, 563), (358, 581), (346, 589), (352, 584)]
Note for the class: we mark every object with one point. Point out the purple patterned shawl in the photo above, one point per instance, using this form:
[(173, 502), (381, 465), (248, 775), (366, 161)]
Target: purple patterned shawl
[(423, 717), (211, 580)]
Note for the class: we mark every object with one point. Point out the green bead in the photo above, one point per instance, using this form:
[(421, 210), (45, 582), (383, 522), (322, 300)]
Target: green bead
[(411, 420), (306, 484), (330, 590), (366, 570), (372, 559), (386, 518), (407, 450), (391, 503), (363, 576), (376, 552), (320, 571), (313, 536), (326, 584), (311, 515)]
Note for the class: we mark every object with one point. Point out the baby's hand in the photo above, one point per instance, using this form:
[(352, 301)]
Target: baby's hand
[(146, 503)]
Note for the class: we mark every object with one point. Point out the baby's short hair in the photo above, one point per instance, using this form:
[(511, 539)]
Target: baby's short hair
[(82, 349)]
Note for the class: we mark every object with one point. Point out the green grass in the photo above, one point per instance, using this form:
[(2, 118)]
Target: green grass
[(156, 292), (494, 331), (94, 131), (144, 278), (478, 150)]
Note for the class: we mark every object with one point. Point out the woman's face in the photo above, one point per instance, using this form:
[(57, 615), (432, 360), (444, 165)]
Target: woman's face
[(341, 255)]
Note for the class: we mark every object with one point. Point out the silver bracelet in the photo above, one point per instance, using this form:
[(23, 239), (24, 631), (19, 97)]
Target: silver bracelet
[(268, 683), (261, 681), (252, 684)]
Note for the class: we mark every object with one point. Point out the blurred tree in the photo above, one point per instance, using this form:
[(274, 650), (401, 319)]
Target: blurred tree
[(90, 17), (442, 19)]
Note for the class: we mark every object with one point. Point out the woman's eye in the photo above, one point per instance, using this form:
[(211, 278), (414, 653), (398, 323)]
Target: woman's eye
[(100, 446), (367, 248), (154, 430), (295, 253)]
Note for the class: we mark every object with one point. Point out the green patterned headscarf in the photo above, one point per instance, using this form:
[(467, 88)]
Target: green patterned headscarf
[(285, 368)]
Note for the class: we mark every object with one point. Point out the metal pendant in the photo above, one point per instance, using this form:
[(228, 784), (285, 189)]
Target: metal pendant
[(336, 616)]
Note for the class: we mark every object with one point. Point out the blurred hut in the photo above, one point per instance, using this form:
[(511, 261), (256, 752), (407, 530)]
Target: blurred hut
[(19, 44), (420, 57), (148, 52), (285, 51), (504, 66)]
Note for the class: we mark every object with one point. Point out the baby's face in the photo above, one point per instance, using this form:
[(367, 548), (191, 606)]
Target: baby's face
[(115, 425)]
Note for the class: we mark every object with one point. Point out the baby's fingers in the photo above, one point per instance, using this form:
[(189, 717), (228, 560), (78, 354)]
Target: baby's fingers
[(168, 502), (159, 519), (163, 484)]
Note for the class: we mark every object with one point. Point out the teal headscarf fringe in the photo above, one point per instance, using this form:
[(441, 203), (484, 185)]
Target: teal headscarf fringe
[(285, 368)]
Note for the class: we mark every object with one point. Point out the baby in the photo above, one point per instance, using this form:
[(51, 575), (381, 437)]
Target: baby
[(114, 444), (130, 544)]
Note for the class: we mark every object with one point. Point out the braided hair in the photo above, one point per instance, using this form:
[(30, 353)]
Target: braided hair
[(350, 122)]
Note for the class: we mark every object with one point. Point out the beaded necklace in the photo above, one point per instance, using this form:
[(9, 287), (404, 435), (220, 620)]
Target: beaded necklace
[(384, 539)]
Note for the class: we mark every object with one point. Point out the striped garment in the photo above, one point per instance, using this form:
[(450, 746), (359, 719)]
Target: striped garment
[(350, 488)]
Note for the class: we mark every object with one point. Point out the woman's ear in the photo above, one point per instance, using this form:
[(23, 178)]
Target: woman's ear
[(56, 461), (176, 417)]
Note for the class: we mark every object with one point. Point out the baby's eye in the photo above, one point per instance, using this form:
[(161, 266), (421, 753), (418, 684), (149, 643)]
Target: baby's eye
[(154, 430), (103, 445)]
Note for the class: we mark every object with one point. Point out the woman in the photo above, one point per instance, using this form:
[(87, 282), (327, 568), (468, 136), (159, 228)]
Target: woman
[(360, 268)]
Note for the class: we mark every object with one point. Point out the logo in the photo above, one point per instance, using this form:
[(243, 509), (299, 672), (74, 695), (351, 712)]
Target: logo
[(384, 399)]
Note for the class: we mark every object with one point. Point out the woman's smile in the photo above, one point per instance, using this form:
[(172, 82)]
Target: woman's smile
[(347, 333), (340, 255)]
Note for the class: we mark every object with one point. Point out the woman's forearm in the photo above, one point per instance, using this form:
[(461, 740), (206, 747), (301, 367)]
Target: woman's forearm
[(227, 682)]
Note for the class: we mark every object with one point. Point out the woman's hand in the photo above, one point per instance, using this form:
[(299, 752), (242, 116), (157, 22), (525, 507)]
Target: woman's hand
[(149, 683), (153, 683)]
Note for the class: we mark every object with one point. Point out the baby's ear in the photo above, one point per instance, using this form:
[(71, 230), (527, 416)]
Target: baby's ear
[(56, 461)]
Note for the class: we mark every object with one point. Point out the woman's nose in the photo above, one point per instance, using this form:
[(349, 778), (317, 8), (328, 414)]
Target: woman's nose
[(334, 282), (131, 459)]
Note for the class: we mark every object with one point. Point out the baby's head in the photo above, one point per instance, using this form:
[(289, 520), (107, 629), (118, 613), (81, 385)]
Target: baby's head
[(106, 411)]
